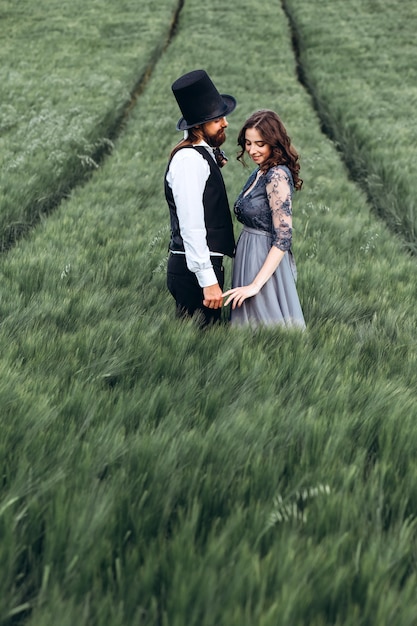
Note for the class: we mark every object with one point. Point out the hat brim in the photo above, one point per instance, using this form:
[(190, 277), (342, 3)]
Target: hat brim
[(230, 103)]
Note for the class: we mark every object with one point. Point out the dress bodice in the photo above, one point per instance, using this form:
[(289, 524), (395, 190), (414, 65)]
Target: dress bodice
[(265, 203)]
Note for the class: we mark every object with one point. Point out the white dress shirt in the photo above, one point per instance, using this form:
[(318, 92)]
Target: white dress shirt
[(187, 176)]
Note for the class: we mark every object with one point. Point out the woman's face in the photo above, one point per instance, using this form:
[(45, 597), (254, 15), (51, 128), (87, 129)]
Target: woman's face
[(255, 146)]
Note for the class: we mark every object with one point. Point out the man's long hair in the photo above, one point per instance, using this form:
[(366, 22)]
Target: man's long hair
[(194, 136)]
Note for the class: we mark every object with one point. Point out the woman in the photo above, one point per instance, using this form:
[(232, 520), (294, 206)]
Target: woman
[(264, 274)]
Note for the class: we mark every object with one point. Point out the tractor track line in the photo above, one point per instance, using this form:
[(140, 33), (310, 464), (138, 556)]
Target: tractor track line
[(14, 232)]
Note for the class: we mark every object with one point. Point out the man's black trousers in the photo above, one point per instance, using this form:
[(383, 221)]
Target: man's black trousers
[(188, 294)]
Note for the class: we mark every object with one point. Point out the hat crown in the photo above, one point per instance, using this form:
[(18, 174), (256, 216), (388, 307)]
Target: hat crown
[(199, 99)]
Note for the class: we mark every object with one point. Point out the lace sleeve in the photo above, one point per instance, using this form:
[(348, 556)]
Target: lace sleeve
[(279, 192)]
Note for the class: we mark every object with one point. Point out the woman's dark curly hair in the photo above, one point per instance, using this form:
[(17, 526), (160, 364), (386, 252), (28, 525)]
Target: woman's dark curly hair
[(273, 132)]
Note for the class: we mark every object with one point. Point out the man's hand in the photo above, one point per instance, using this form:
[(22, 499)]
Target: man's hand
[(213, 296)]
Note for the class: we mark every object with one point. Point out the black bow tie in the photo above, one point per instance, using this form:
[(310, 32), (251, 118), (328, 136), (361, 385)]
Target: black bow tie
[(221, 158)]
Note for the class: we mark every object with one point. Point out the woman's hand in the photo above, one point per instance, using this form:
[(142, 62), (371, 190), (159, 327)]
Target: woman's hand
[(239, 294)]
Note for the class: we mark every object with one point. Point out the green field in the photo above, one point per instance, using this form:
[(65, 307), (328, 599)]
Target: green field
[(156, 475), (68, 74), (358, 60)]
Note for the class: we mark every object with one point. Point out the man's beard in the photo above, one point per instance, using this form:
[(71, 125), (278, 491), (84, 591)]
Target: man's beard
[(216, 140)]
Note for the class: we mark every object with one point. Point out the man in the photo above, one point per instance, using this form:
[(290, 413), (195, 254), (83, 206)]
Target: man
[(201, 224)]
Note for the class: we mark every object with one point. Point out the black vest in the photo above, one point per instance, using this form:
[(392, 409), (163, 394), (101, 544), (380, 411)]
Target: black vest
[(217, 216)]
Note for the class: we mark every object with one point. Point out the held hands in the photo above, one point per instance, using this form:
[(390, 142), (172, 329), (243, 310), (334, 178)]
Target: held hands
[(213, 296), (239, 294)]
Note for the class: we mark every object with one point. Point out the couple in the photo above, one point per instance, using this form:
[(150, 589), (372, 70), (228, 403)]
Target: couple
[(263, 285)]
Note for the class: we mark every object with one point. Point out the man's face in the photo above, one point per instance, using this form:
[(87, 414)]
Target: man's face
[(214, 131)]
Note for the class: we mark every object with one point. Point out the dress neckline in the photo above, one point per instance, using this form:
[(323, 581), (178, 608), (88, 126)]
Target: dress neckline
[(253, 184)]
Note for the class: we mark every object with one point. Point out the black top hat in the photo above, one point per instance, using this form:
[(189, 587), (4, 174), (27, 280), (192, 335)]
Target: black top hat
[(199, 100)]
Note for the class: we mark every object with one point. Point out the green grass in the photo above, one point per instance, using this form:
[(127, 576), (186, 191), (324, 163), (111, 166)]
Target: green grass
[(358, 60), (67, 74), (154, 474)]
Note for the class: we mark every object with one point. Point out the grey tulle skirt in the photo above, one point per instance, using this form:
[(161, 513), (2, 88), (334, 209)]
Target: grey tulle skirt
[(277, 302)]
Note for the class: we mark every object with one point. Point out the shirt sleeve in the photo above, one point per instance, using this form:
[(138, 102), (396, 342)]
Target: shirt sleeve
[(187, 177), (279, 194)]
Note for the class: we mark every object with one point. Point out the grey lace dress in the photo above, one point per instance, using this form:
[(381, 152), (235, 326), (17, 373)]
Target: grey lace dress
[(264, 207)]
